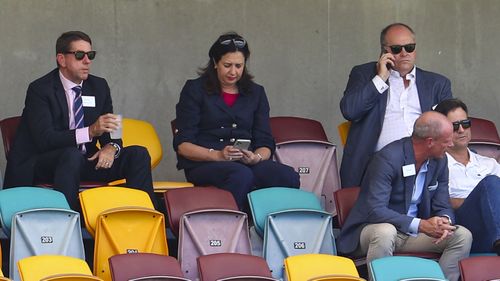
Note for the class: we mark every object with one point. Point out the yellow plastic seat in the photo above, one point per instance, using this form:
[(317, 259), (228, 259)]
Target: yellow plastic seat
[(320, 267), (127, 230), (95, 201), (343, 129), (138, 132), (36, 268)]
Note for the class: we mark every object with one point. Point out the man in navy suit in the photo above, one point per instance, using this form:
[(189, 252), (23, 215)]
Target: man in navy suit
[(66, 113), (383, 99), (404, 204)]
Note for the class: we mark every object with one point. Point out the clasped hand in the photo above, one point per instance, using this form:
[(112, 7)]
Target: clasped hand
[(437, 227)]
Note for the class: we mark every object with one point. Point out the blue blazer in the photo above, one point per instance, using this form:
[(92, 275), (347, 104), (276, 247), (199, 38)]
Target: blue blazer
[(44, 124), (385, 195), (204, 119), (365, 107)]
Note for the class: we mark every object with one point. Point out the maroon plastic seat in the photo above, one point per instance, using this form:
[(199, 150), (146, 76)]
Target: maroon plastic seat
[(480, 268), (226, 265), (484, 138), (137, 265)]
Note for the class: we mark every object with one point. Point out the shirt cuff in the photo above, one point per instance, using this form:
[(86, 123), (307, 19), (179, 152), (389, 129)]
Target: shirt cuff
[(380, 84), (413, 229), (82, 135), (449, 219)]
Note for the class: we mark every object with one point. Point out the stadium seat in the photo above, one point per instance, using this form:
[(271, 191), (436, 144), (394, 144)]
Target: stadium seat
[(343, 129), (45, 267), (142, 133), (142, 265), (9, 126), (397, 268), (286, 213), (484, 138), (306, 148), (320, 267), (125, 222), (232, 266), (480, 268)]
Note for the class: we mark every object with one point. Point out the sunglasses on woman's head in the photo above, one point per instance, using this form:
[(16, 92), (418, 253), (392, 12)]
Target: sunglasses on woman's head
[(238, 42), (396, 49), (466, 123)]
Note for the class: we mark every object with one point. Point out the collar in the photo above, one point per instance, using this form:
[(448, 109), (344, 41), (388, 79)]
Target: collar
[(67, 84), (410, 76)]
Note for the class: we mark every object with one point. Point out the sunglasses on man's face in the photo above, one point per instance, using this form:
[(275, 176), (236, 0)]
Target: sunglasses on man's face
[(396, 49), (466, 123), (79, 55), (238, 42)]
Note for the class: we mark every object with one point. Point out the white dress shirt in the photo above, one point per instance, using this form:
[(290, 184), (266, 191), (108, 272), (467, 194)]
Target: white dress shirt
[(403, 107), (463, 179)]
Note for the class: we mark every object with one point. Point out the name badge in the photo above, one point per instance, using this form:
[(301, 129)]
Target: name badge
[(409, 170), (88, 101)]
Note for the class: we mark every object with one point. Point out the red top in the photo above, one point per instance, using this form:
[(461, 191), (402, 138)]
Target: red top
[(229, 98)]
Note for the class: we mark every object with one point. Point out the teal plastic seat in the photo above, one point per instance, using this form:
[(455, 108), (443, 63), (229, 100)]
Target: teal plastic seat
[(398, 268), (276, 199), (17, 199)]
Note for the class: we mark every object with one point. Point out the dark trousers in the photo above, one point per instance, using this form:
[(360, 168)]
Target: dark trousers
[(66, 167), (480, 213), (240, 179)]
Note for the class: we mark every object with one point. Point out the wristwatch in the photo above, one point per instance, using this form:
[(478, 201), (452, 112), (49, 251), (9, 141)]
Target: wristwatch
[(117, 147)]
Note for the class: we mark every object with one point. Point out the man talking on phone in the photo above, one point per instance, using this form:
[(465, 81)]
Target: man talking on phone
[(383, 99)]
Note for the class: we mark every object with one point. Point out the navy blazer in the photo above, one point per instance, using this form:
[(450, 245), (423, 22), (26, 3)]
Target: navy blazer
[(365, 107), (204, 119), (385, 195), (45, 124)]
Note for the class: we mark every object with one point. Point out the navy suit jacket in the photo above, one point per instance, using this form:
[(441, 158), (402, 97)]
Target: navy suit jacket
[(365, 107), (385, 195), (206, 120), (44, 124)]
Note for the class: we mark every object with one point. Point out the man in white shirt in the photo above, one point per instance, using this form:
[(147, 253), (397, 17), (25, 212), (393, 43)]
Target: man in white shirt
[(474, 182)]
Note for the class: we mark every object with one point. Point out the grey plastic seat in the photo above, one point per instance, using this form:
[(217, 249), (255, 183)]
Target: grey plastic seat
[(211, 231), (296, 232)]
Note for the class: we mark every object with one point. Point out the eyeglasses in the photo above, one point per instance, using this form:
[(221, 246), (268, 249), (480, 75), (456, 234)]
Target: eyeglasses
[(396, 49), (466, 123), (79, 55), (238, 42)]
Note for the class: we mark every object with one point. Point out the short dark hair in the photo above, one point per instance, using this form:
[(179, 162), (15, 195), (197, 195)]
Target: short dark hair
[(384, 31), (217, 50), (448, 105), (64, 41)]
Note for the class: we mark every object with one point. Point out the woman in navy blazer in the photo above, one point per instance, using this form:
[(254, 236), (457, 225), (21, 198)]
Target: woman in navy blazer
[(216, 109)]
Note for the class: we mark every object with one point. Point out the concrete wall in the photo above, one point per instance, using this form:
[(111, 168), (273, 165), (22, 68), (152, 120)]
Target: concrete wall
[(302, 50)]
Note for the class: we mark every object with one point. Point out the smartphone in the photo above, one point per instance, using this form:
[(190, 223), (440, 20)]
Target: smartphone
[(242, 144), (388, 65)]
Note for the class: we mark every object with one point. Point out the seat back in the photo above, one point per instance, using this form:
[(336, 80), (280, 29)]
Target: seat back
[(396, 268), (95, 201), (211, 231), (9, 126), (184, 200), (13, 200), (484, 138), (39, 267), (45, 232), (139, 132), (343, 129), (338, 277), (71, 277), (160, 278), (231, 265), (275, 199), (480, 268), (285, 236), (127, 230), (345, 199), (139, 265), (307, 149), (310, 266)]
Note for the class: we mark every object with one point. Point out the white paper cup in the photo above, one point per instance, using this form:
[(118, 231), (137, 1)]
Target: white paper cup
[(117, 134)]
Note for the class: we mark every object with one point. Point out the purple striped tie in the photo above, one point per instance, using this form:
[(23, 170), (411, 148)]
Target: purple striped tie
[(78, 107)]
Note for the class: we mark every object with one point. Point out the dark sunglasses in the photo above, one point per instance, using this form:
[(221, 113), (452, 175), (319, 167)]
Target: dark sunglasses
[(396, 49), (238, 42), (79, 55), (466, 123)]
